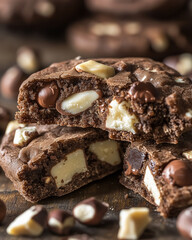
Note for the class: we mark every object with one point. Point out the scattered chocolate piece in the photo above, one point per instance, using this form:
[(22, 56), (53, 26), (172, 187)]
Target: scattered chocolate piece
[(11, 81), (178, 172), (2, 211), (60, 222), (184, 223), (48, 95), (133, 222), (28, 59), (30, 223), (90, 211)]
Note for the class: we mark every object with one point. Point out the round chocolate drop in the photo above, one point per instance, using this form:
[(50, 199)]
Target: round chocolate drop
[(184, 223), (48, 95), (178, 173), (2, 211)]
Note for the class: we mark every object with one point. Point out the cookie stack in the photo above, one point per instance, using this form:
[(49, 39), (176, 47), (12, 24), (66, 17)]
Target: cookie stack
[(141, 28), (142, 106)]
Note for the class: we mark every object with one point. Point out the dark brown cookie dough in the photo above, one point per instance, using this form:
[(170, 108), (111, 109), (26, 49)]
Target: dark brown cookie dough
[(161, 173), (44, 14), (182, 63), (104, 36), (57, 160), (127, 7), (131, 98)]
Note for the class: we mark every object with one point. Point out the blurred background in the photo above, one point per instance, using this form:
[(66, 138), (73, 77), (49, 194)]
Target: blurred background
[(36, 33)]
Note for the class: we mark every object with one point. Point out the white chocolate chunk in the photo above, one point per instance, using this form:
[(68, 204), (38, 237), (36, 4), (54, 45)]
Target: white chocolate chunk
[(84, 212), (25, 225), (132, 28), (96, 68), (79, 102), (184, 65), (133, 222), (151, 186), (64, 171), (22, 135), (120, 118), (53, 222), (106, 151), (179, 80), (188, 154), (12, 125), (189, 113), (107, 28)]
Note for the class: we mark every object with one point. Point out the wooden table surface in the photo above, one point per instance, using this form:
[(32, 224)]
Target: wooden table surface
[(107, 189)]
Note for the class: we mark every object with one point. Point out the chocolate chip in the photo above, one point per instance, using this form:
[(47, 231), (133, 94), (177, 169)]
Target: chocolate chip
[(48, 95), (134, 160), (178, 172), (184, 223), (143, 92)]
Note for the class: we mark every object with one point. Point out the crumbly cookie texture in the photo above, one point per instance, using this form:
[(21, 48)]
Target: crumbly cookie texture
[(161, 173), (131, 98), (53, 160)]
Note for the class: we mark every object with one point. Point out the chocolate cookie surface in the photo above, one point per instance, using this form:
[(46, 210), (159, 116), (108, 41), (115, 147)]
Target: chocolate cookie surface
[(131, 98), (44, 161), (124, 7), (104, 36)]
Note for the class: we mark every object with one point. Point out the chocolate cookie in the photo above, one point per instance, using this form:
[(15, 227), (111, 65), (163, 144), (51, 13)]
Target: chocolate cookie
[(182, 63), (111, 37), (161, 173), (131, 98), (44, 161), (44, 14), (127, 7), (5, 117)]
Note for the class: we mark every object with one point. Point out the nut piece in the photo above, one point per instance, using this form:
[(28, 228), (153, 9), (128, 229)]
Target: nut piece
[(28, 60), (11, 81), (151, 185), (96, 68), (133, 222), (24, 135), (90, 211), (184, 223), (2, 211), (188, 114), (106, 151), (120, 118), (78, 102), (72, 164), (30, 223), (12, 125), (60, 222), (178, 172), (48, 95)]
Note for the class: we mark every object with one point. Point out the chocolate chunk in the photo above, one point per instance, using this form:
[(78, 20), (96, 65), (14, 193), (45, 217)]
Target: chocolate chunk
[(144, 92), (48, 95), (134, 160), (178, 172), (184, 223), (11, 81)]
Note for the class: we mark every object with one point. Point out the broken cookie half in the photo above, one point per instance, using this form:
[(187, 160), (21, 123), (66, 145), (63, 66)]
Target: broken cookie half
[(50, 160), (161, 173)]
